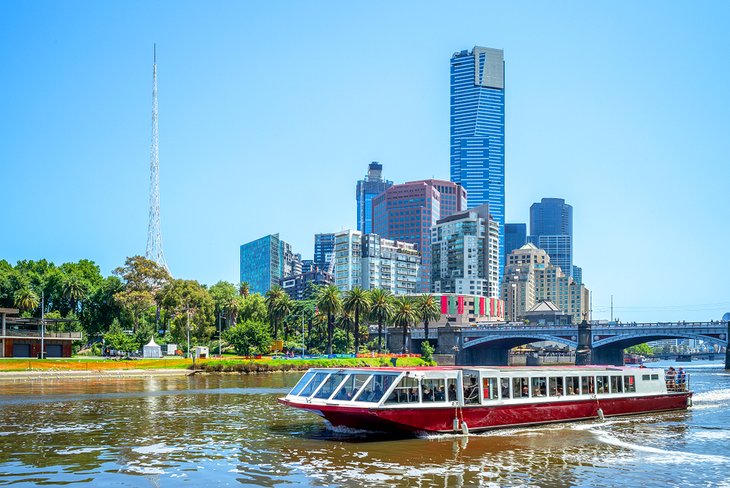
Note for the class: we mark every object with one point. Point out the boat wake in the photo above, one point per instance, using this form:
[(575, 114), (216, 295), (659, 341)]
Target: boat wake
[(662, 456)]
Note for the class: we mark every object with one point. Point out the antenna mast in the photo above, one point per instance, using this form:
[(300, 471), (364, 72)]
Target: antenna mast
[(154, 235)]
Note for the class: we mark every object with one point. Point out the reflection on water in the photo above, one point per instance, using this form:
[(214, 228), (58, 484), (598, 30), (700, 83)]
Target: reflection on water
[(230, 429)]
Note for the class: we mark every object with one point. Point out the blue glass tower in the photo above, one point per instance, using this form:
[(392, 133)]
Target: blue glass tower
[(551, 229), (367, 189), (515, 236), (265, 261), (477, 131)]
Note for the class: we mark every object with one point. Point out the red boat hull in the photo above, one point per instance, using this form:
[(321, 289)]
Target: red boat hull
[(481, 417)]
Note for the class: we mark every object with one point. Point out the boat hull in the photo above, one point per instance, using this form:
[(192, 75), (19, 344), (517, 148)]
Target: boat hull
[(484, 417)]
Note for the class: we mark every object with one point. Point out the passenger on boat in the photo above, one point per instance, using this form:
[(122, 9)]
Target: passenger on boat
[(427, 394), (525, 391), (452, 392), (670, 378), (505, 388), (681, 379), (439, 395), (412, 395)]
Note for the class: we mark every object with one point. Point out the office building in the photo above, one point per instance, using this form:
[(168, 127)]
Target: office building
[(551, 229), (324, 245), (303, 285), (465, 253), (407, 212), (515, 236), (370, 261), (368, 188), (530, 277), (265, 261), (477, 129)]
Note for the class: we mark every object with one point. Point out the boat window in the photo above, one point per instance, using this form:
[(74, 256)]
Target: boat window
[(616, 384), (629, 384), (451, 394), (587, 385), (405, 392), (351, 387), (655, 376), (312, 385), (520, 388), (471, 389), (645, 377), (490, 388), (504, 386), (374, 390), (302, 383), (328, 388), (433, 390), (539, 387), (602, 384), (572, 384), (556, 386)]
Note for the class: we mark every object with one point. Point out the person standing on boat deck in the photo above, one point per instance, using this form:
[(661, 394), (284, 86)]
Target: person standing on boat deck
[(452, 392), (681, 379), (670, 377)]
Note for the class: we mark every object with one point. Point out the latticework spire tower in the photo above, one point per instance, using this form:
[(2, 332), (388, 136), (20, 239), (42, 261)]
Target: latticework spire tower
[(154, 235)]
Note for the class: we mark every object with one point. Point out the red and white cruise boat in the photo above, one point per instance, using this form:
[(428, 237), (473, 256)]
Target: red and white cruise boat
[(463, 399)]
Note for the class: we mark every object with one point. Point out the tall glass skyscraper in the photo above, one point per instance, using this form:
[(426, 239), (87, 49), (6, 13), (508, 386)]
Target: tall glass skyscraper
[(477, 130), (265, 261), (515, 236), (367, 189), (551, 229)]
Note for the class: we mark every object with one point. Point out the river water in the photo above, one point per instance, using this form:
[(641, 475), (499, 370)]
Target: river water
[(229, 430)]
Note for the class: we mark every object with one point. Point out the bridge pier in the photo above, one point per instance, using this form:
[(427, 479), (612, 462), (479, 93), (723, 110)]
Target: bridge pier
[(482, 356), (608, 355), (583, 351)]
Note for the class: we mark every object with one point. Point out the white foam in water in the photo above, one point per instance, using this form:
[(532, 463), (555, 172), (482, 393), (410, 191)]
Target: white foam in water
[(144, 469), (712, 435), (712, 396), (679, 457), (156, 449), (80, 450)]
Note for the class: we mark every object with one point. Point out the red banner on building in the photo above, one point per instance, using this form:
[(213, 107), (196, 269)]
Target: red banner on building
[(444, 305), (460, 305), (482, 306)]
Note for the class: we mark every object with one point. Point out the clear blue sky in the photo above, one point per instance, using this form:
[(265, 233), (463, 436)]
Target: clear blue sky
[(270, 112)]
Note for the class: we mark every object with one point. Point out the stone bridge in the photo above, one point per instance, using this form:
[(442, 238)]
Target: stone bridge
[(490, 344)]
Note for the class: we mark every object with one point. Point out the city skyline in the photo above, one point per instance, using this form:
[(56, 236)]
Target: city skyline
[(592, 117)]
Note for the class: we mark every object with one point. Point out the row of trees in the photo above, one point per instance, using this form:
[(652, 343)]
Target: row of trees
[(141, 300)]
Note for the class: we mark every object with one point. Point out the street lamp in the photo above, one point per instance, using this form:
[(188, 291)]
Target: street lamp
[(220, 343)]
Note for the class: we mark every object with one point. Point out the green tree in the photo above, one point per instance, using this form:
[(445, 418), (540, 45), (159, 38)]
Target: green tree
[(357, 302), (329, 303), (143, 280), (273, 299), (249, 337), (244, 289), (641, 349), (381, 309), (253, 308), (26, 299), (74, 290), (428, 311), (101, 308), (404, 315), (344, 322), (183, 298)]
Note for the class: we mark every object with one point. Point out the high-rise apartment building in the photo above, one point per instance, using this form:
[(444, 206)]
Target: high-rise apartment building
[(529, 277), (265, 261), (465, 253), (407, 212), (551, 229), (368, 188), (477, 129), (370, 261), (515, 236), (302, 286), (324, 245)]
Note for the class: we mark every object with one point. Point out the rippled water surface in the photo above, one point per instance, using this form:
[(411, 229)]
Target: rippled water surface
[(229, 430)]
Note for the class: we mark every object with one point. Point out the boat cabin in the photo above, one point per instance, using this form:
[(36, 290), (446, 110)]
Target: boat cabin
[(448, 386)]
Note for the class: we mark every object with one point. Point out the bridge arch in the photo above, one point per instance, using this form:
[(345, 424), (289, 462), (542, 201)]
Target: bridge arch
[(494, 350)]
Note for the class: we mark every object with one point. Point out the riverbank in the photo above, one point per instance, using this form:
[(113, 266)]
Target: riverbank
[(15, 376)]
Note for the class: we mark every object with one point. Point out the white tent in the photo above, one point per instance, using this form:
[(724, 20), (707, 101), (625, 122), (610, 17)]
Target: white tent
[(152, 350)]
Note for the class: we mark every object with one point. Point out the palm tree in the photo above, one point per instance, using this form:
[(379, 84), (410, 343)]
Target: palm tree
[(428, 311), (243, 289), (283, 308), (345, 321), (404, 315), (357, 301), (273, 297), (74, 290), (329, 303), (231, 308), (26, 299), (381, 309)]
